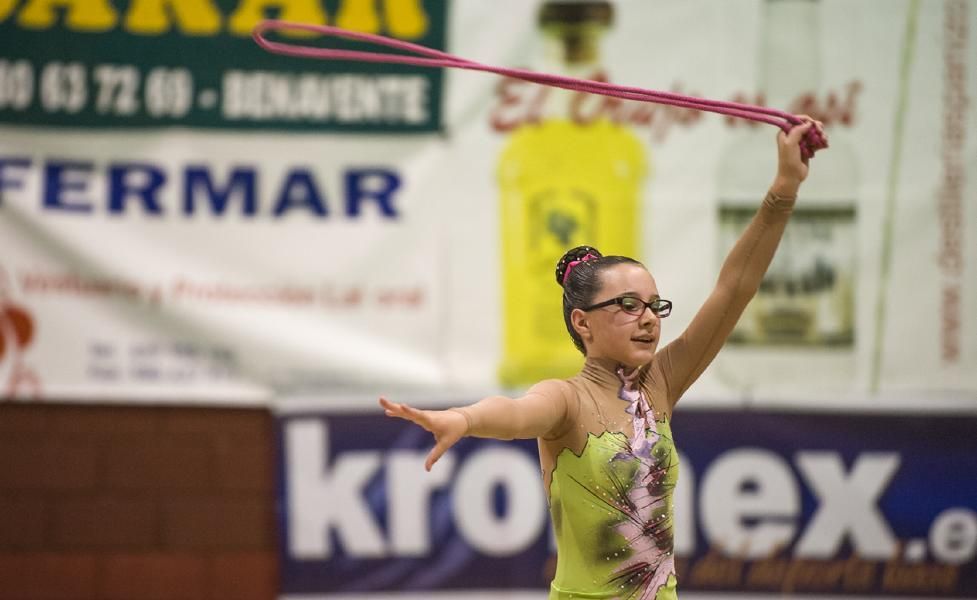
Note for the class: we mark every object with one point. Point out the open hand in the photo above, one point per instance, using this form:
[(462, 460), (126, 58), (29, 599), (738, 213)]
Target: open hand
[(448, 426)]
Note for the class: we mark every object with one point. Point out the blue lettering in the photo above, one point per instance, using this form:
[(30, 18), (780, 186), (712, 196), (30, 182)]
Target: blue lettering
[(57, 183), (371, 184), (13, 184), (242, 180), (300, 189), (121, 187), (206, 190)]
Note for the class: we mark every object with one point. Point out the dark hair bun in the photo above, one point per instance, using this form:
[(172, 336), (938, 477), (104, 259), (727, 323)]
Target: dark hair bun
[(572, 255)]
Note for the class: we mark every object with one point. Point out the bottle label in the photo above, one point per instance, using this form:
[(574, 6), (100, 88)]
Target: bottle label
[(557, 220), (806, 297), (561, 185)]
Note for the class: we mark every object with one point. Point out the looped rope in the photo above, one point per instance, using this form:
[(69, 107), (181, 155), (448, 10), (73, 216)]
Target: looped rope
[(429, 57)]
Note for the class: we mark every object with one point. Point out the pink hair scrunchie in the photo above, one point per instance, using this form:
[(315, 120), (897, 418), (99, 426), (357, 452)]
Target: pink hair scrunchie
[(574, 263)]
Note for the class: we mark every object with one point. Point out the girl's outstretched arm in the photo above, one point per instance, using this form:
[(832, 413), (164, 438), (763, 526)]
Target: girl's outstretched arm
[(543, 411)]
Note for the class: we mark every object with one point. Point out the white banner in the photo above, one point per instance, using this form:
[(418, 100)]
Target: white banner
[(247, 261)]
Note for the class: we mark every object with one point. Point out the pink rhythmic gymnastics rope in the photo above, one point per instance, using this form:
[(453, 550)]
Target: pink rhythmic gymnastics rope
[(812, 141)]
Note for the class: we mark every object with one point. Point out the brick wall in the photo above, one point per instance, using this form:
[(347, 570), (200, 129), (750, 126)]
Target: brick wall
[(127, 503)]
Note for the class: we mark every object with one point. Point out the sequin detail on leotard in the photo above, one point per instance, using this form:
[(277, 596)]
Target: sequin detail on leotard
[(612, 506)]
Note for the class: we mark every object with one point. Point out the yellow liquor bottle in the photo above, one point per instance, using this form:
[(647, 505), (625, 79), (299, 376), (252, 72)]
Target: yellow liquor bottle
[(563, 183)]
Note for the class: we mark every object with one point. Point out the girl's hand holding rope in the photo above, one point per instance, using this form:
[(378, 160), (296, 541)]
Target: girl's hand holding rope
[(792, 165)]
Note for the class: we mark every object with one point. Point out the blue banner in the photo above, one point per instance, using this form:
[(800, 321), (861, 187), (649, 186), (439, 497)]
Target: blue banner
[(806, 503)]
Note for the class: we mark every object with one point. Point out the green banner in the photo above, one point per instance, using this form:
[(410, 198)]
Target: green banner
[(192, 63)]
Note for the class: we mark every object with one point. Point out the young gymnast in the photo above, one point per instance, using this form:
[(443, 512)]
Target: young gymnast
[(605, 445)]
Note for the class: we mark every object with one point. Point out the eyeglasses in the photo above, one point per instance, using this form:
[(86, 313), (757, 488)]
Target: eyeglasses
[(636, 306)]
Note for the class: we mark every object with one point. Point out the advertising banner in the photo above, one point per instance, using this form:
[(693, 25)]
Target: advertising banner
[(768, 503), (103, 64), (186, 217)]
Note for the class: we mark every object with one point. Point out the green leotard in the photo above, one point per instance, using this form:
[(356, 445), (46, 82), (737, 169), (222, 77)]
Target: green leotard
[(611, 505), (605, 444), (611, 468)]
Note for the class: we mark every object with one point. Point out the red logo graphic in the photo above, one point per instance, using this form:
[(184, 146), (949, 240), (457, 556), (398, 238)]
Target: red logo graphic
[(16, 334)]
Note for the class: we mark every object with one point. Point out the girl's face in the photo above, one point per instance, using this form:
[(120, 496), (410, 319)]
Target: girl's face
[(609, 332)]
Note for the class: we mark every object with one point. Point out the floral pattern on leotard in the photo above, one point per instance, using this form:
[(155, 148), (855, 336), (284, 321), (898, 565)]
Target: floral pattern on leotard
[(647, 527), (619, 491)]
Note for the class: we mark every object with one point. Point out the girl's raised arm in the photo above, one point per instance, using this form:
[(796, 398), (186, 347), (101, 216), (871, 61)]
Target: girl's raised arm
[(684, 359)]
